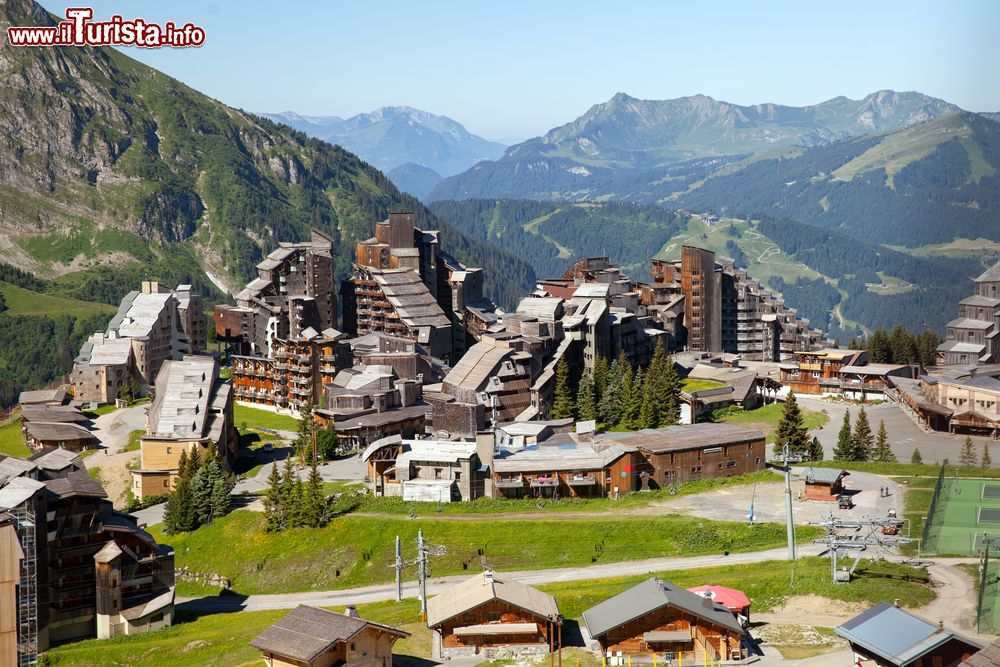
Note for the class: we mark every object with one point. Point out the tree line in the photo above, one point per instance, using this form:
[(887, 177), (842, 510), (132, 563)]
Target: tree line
[(899, 346), (203, 492)]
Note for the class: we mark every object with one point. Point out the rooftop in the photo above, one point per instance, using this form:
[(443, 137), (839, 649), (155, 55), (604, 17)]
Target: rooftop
[(482, 588), (183, 391), (678, 437), (306, 632), (894, 635)]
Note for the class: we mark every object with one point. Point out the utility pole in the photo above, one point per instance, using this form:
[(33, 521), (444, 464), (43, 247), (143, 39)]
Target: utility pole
[(399, 571), (422, 574), (788, 502)]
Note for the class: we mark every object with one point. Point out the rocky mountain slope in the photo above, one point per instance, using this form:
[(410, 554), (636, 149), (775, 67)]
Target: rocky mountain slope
[(111, 171)]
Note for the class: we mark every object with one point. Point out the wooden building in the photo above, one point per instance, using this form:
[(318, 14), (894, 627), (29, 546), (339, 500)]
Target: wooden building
[(10, 576), (886, 636), (489, 612), (818, 371), (823, 483), (658, 617), (76, 438), (312, 637)]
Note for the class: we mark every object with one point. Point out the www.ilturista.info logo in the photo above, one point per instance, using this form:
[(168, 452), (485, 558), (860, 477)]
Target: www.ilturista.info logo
[(79, 30)]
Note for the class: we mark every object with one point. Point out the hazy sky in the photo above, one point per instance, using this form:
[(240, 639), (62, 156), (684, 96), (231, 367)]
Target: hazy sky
[(509, 70)]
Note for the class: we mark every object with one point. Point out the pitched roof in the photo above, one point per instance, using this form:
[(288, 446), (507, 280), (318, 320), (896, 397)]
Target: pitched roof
[(410, 298), (306, 632), (678, 437), (57, 395), (17, 490), (482, 588), (990, 275), (730, 598), (76, 483), (827, 475), (183, 392), (647, 597), (988, 657), (894, 635)]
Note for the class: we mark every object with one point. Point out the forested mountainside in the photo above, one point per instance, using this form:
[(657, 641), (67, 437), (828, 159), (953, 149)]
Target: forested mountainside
[(839, 283)]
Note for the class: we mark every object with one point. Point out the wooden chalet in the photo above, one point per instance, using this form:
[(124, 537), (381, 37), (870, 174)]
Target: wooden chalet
[(489, 612), (886, 636), (312, 637), (818, 371), (660, 618), (823, 483)]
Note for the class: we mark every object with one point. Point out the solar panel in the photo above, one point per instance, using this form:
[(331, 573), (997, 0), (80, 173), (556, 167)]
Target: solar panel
[(989, 515), (991, 491)]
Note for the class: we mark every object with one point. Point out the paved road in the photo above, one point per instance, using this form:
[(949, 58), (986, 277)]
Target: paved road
[(904, 433), (381, 592)]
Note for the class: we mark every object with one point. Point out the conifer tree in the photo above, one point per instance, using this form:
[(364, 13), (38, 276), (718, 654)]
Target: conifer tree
[(883, 451), (967, 455), (987, 461), (297, 505), (288, 478), (327, 442), (671, 414), (182, 465), (222, 490), (600, 378), (862, 439), (916, 457), (879, 347), (193, 462), (631, 398), (791, 429), (815, 450), (303, 443), (586, 402), (844, 451), (562, 400), (314, 502), (273, 510), (610, 406)]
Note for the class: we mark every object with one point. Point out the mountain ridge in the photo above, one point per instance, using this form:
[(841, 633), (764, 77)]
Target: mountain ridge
[(391, 136)]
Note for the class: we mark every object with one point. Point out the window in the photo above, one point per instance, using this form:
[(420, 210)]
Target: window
[(730, 464), (458, 476), (437, 473), (166, 483), (169, 450), (695, 469), (494, 617)]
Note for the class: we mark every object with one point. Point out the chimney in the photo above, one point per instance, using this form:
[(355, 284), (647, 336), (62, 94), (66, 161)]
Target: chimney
[(895, 603), (488, 577), (940, 626), (352, 611)]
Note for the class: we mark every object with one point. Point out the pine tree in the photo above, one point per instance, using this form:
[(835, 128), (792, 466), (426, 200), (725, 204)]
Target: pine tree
[(879, 347), (600, 378), (288, 478), (314, 502), (916, 457), (562, 401), (815, 450), (327, 442), (273, 510), (967, 455), (610, 406), (927, 344), (862, 440), (672, 385), (631, 398), (304, 442), (222, 497), (194, 461), (791, 429), (182, 465), (201, 494), (986, 460), (844, 451), (297, 505), (903, 346), (883, 451), (586, 403)]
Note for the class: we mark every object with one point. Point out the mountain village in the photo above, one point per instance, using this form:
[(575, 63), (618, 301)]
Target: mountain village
[(405, 383)]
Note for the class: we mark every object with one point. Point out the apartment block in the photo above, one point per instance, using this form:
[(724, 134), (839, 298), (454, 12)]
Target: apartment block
[(295, 290), (193, 408), (974, 336)]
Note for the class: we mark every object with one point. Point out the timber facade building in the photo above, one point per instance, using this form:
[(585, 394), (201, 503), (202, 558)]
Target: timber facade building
[(973, 338)]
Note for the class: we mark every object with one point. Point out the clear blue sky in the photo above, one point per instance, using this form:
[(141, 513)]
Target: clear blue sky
[(509, 70)]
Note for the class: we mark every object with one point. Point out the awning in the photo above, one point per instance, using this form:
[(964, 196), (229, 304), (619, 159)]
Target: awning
[(667, 636), (498, 629)]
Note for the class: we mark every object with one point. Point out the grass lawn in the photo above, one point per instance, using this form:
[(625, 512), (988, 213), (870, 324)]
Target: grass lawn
[(396, 505), (133, 440), (25, 302), (690, 385), (355, 551), (766, 418), (221, 639), (12, 439), (248, 417), (252, 443)]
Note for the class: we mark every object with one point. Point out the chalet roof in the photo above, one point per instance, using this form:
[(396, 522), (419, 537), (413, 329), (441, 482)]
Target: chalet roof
[(956, 346), (439, 451), (57, 395), (871, 369), (12, 467), (896, 636), (76, 483), (969, 323), (18, 489), (544, 308), (53, 414), (990, 275), (988, 657), (108, 552), (831, 354), (823, 475), (482, 588), (142, 314), (979, 300), (146, 608), (109, 351), (376, 419), (306, 632), (53, 431), (56, 459), (679, 437), (559, 453), (647, 597)]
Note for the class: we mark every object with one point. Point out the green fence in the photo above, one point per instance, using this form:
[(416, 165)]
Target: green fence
[(988, 609), (930, 537)]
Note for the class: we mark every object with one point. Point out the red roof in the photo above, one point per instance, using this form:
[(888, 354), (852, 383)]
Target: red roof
[(730, 598)]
